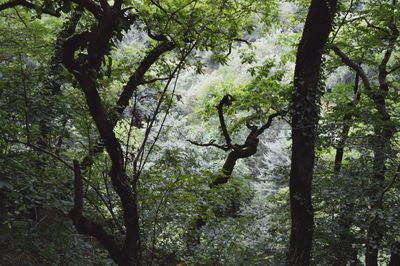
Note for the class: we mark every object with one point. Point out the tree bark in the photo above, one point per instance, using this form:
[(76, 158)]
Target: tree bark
[(395, 256), (304, 120), (85, 70)]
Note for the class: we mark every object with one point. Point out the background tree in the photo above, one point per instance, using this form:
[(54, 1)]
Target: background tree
[(182, 26)]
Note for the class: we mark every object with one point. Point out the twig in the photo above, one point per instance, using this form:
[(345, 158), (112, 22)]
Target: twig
[(162, 123), (154, 80), (140, 155), (342, 22), (370, 25), (390, 185), (211, 143), (269, 122), (42, 150)]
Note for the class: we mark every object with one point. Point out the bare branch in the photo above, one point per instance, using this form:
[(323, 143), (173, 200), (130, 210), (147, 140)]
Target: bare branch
[(242, 40), (137, 78), (390, 185), (149, 81), (394, 34), (15, 3), (343, 21), (269, 122), (26, 4), (166, 112), (370, 25), (226, 100), (42, 150), (356, 67), (177, 69), (209, 144), (85, 226)]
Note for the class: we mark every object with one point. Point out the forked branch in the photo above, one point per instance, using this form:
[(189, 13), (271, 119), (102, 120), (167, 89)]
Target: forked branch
[(247, 149)]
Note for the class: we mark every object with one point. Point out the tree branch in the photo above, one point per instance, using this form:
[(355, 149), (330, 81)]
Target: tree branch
[(370, 25), (269, 122), (137, 78), (226, 100), (210, 143), (26, 4), (356, 67), (42, 150), (87, 227)]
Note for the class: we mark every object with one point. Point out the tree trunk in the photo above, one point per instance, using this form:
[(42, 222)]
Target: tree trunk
[(304, 120), (384, 130), (395, 256), (342, 248)]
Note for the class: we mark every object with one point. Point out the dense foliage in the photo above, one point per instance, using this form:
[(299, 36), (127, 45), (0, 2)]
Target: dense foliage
[(159, 132)]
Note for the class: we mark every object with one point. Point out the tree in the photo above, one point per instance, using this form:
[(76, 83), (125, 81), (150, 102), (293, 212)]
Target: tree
[(178, 28), (236, 152), (304, 111), (383, 125)]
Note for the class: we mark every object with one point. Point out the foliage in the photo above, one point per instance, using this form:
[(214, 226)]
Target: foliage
[(243, 48)]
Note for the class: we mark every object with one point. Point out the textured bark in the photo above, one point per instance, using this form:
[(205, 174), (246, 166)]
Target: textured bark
[(97, 42), (304, 119), (136, 79), (87, 227), (248, 149)]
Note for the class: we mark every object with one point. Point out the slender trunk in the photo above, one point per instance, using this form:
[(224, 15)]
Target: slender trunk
[(304, 120), (342, 250), (384, 131), (375, 228), (346, 127)]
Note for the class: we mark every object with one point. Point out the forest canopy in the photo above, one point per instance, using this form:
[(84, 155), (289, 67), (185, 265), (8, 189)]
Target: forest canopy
[(199, 132)]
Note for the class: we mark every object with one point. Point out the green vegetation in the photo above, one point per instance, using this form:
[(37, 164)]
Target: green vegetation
[(199, 132)]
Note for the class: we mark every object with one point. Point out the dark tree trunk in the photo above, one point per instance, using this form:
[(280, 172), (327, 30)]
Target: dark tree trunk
[(342, 249), (85, 70), (395, 256), (304, 120), (346, 127)]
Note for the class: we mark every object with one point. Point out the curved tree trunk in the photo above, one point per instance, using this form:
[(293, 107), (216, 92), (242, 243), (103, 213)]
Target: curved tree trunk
[(304, 119)]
